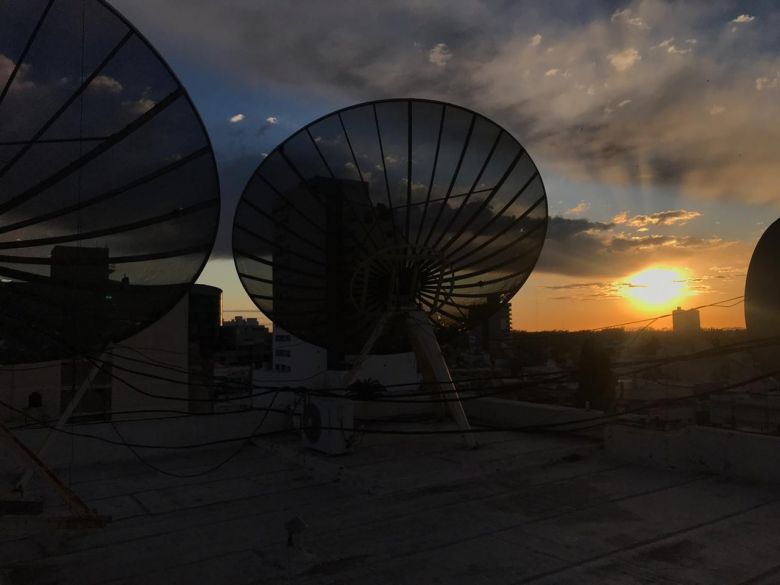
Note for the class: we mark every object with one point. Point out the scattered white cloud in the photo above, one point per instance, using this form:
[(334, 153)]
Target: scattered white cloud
[(106, 83), (536, 40), (140, 106), (272, 121), (763, 83), (578, 209), (624, 103), (675, 50), (660, 218), (726, 271), (715, 110), (743, 19), (669, 46), (6, 68), (625, 59), (236, 119), (551, 72), (440, 55), (624, 16)]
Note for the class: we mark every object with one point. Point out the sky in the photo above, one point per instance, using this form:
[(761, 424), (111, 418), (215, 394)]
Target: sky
[(653, 124)]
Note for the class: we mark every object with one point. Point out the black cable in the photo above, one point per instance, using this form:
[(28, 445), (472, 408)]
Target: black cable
[(174, 415), (716, 304), (211, 469), (332, 392), (564, 426), (553, 377)]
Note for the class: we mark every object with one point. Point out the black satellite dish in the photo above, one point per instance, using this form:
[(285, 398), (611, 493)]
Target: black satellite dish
[(384, 206), (378, 224), (109, 196), (762, 301)]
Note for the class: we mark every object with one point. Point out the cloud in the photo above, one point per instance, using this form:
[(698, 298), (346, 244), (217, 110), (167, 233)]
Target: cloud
[(439, 55), (665, 139), (536, 40), (578, 209), (551, 72), (20, 82), (647, 242), (580, 247), (6, 67), (625, 59), (561, 228), (660, 218), (669, 46), (716, 110), (236, 119), (624, 17), (584, 291), (743, 19), (675, 50), (140, 106), (106, 83), (268, 123), (624, 103), (763, 83)]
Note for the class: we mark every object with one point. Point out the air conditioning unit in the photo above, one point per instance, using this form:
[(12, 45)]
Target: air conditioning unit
[(327, 423)]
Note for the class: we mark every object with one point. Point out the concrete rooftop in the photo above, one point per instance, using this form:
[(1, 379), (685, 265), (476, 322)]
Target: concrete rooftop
[(405, 509)]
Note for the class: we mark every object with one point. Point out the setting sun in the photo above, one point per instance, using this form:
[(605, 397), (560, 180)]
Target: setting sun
[(654, 288)]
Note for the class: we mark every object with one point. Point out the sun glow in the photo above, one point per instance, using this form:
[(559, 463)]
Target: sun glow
[(655, 288)]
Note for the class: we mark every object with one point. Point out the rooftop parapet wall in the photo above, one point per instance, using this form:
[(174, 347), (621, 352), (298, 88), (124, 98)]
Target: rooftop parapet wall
[(515, 414), (729, 453)]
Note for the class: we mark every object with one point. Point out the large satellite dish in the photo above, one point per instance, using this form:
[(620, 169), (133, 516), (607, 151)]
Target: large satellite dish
[(762, 301), (385, 206), (382, 224), (109, 196)]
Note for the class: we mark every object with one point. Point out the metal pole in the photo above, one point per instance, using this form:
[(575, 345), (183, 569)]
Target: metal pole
[(63, 420), (367, 347), (27, 455), (434, 368)]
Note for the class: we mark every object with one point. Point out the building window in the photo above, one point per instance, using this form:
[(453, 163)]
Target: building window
[(282, 353), (281, 337)]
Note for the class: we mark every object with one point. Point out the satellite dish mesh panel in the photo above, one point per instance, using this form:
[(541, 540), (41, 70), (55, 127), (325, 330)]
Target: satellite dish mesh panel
[(762, 302), (109, 197), (383, 207)]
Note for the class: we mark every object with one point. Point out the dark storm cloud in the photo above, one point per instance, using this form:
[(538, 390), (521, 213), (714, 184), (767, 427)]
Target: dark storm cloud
[(561, 228), (578, 247)]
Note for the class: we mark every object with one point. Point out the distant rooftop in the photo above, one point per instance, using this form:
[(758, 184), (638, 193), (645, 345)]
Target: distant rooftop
[(404, 509)]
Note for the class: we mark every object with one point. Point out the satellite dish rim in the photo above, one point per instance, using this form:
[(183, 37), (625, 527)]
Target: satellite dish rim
[(142, 37)]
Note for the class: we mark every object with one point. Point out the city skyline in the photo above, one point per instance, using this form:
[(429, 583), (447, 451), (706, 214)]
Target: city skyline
[(647, 121)]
